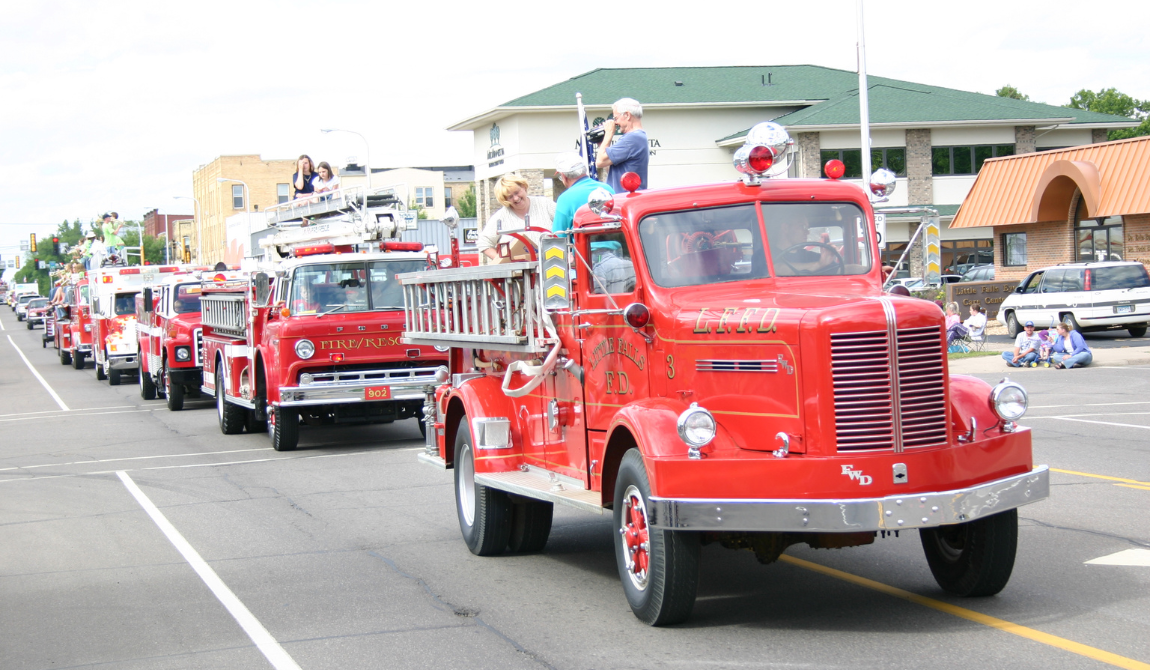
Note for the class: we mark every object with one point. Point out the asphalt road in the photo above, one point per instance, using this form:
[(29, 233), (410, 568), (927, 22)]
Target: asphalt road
[(347, 554)]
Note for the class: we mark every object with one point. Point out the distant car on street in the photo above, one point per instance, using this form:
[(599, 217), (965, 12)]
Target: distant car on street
[(978, 273)]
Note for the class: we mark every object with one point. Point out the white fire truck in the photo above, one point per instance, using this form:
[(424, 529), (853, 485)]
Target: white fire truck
[(317, 336), (113, 294)]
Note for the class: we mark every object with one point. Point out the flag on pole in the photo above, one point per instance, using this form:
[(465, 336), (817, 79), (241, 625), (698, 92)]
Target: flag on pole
[(584, 145)]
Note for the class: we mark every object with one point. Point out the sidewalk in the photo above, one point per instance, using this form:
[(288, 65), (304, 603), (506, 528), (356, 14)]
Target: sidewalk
[(1102, 357)]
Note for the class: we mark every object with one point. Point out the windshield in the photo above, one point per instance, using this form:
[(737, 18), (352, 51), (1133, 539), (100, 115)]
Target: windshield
[(187, 299), (25, 299), (349, 287), (125, 304), (386, 292), (1119, 277), (725, 244), (84, 294), (39, 302)]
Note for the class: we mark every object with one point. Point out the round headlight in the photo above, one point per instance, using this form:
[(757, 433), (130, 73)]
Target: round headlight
[(442, 374), (696, 426), (1008, 400), (306, 378), (183, 353), (304, 349)]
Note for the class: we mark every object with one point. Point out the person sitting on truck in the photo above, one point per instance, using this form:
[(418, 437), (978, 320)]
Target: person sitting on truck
[(304, 300), (112, 240), (86, 253), (572, 171), (519, 211), (613, 273), (327, 180), (303, 181)]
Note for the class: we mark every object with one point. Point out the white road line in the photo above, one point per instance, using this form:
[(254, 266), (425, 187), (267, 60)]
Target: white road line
[(133, 458), (2, 325), (1060, 416), (271, 649), (70, 415), (1093, 404), (1104, 423), (56, 411), (1131, 557), (37, 374)]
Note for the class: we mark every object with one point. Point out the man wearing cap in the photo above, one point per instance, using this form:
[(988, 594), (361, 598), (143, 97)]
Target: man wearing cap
[(112, 241), (572, 171), (631, 152), (1025, 352)]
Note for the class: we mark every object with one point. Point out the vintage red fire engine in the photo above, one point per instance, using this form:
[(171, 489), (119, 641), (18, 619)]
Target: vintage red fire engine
[(318, 339), (74, 323), (719, 364), (170, 339)]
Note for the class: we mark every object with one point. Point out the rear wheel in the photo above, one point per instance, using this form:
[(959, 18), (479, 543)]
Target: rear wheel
[(29, 325), (1070, 321), (78, 360), (65, 357), (530, 525), (484, 513), (283, 423), (173, 393), (113, 377), (1011, 325), (147, 386), (659, 568), (1137, 331), (973, 558), (231, 416), (101, 370)]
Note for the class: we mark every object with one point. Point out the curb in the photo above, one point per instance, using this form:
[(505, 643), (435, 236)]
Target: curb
[(995, 364)]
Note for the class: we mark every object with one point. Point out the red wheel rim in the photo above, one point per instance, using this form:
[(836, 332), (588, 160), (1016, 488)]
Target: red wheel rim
[(636, 537)]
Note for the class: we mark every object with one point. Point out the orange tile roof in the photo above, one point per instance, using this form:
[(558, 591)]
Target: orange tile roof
[(1113, 176)]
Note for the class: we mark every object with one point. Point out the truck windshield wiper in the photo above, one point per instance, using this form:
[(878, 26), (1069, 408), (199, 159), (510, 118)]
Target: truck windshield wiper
[(333, 309)]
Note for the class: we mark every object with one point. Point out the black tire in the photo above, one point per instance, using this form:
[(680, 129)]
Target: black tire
[(78, 360), (231, 417), (284, 428), (65, 357), (663, 593), (1069, 320), (973, 558), (1137, 331), (1012, 328), (530, 525), (173, 393), (101, 373), (19, 317), (484, 513), (43, 343), (113, 377), (29, 324), (147, 386)]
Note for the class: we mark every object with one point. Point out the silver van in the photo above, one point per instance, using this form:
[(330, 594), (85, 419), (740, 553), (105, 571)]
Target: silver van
[(1086, 296)]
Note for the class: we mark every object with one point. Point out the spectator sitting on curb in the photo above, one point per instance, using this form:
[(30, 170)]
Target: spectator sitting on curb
[(1070, 349), (1025, 352)]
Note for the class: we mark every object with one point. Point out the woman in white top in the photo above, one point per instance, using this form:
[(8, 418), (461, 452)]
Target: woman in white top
[(519, 211), (327, 179)]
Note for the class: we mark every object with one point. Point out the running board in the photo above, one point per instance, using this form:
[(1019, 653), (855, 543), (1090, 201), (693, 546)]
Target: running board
[(434, 461), (540, 487)]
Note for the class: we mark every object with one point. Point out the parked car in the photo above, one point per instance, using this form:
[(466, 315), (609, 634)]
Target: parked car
[(22, 304), (34, 311), (1086, 296), (979, 273)]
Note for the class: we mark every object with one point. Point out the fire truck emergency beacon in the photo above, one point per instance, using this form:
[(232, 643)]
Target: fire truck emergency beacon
[(719, 364), (319, 339)]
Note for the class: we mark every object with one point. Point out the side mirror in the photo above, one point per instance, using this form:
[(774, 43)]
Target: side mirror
[(263, 289), (147, 300)]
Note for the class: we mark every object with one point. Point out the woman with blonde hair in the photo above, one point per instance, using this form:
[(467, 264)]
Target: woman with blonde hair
[(519, 211)]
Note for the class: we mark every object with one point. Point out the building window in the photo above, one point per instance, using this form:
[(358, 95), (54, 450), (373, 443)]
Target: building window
[(1014, 249), (446, 197), (958, 256), (237, 196), (282, 193), (1097, 239), (966, 160), (423, 196), (891, 158)]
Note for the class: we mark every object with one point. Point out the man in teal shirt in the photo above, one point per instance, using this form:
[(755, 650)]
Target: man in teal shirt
[(572, 171)]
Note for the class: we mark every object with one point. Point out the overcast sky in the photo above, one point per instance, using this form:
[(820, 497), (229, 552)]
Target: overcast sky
[(112, 105)]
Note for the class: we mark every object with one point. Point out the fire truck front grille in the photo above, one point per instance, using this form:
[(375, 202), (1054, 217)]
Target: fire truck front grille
[(198, 339), (224, 313), (867, 385)]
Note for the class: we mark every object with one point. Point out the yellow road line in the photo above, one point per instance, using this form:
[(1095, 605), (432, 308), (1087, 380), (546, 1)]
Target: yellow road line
[(976, 617), (1107, 477), (1131, 486)]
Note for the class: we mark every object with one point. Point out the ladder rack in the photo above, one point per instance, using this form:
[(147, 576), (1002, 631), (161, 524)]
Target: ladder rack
[(486, 307)]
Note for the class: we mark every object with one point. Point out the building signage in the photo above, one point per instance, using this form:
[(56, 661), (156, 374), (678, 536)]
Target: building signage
[(495, 151), (988, 294)]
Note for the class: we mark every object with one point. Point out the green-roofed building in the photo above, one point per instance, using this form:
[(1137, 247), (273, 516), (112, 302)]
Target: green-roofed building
[(934, 138)]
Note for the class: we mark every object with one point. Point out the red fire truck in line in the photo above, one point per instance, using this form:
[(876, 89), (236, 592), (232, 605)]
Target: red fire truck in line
[(318, 339), (113, 294), (170, 338), (73, 336), (719, 364)]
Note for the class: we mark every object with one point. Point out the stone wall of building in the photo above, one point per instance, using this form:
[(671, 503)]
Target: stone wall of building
[(1136, 235), (1024, 139), (810, 151), (919, 173), (1099, 135)]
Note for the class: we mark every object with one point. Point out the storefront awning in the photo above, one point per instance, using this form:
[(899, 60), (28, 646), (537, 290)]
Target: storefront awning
[(1113, 177)]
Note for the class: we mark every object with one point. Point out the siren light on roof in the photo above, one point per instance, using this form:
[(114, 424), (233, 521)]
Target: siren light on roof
[(767, 151)]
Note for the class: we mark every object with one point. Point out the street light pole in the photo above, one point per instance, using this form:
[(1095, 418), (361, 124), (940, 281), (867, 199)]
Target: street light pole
[(366, 146), (248, 202), (199, 228)]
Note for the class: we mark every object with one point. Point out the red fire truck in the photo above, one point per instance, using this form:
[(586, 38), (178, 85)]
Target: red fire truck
[(74, 323), (170, 339), (318, 338), (113, 292), (719, 364)]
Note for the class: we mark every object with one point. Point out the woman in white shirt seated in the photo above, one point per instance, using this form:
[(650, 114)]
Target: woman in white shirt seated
[(519, 211), (327, 180)]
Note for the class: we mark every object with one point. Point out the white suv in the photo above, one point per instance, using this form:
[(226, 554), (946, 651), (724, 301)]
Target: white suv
[(1087, 296)]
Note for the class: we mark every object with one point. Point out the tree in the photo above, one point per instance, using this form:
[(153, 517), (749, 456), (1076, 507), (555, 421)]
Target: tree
[(465, 205), (1009, 91), (1112, 101), (420, 213)]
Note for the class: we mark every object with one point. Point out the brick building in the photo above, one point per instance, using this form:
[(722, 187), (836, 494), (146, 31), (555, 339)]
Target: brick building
[(1087, 203), (268, 183), (156, 224), (935, 139)]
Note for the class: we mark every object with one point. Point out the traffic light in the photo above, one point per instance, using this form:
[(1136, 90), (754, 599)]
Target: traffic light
[(32, 243)]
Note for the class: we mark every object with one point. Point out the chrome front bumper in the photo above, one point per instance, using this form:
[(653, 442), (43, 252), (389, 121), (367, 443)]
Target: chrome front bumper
[(918, 510), (123, 362), (349, 387)]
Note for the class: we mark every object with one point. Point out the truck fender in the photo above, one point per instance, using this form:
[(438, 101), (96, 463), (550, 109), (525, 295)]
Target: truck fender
[(970, 397), (652, 426), (477, 398)]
